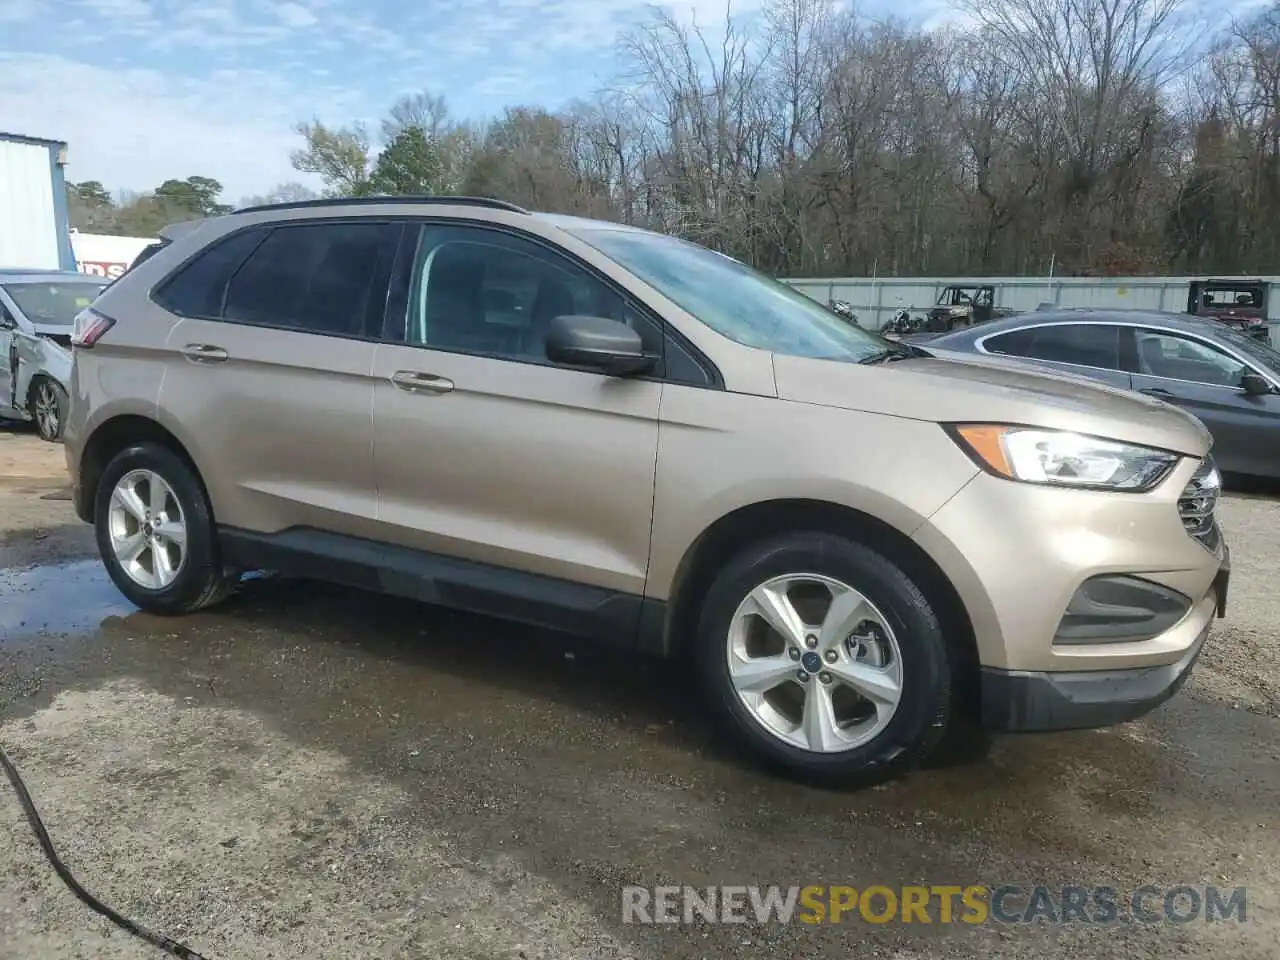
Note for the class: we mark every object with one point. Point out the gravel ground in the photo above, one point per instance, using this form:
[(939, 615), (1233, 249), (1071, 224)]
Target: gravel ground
[(311, 772), (1241, 665)]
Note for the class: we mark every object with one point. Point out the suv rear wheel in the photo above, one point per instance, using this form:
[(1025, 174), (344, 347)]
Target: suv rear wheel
[(826, 659), (155, 532)]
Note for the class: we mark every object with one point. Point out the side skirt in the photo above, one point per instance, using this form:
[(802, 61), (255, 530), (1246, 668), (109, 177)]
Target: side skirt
[(590, 612)]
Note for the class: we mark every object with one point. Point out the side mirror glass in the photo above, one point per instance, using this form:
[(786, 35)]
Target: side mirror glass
[(599, 343), (1254, 385), (6, 322)]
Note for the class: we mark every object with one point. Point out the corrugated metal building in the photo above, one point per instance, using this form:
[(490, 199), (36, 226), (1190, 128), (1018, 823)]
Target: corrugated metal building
[(874, 300), (34, 228)]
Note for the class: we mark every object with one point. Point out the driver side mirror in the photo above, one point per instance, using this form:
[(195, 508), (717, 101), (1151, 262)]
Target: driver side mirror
[(1254, 385), (609, 346)]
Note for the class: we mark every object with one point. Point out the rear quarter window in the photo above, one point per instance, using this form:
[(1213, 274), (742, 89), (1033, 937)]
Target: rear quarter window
[(1080, 344), (200, 285)]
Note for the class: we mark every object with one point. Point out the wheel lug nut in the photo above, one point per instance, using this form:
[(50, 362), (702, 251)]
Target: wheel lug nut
[(795, 653), (824, 677), (830, 656), (802, 676), (811, 641)]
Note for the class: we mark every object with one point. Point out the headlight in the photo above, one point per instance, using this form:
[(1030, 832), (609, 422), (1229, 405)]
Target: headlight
[(1063, 458)]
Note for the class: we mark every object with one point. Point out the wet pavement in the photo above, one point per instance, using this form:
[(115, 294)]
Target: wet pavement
[(309, 771), (64, 599)]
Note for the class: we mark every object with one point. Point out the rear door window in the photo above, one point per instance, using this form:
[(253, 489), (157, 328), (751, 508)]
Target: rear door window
[(316, 277)]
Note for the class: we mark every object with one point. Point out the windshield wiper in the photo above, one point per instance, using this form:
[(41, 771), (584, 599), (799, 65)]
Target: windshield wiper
[(901, 351)]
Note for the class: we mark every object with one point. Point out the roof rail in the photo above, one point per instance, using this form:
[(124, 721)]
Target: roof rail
[(387, 198)]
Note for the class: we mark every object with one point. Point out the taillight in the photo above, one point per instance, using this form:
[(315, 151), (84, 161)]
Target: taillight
[(1254, 320), (90, 326)]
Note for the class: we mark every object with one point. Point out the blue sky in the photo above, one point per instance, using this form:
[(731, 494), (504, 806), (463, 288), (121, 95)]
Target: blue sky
[(143, 90)]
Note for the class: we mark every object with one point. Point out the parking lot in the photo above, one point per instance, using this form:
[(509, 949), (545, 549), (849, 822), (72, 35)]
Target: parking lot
[(312, 772)]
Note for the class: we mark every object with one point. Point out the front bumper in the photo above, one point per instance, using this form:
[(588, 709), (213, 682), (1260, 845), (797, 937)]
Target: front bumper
[(1028, 702), (1087, 608), (1018, 553)]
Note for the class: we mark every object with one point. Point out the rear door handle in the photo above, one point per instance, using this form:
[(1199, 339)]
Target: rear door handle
[(1159, 392), (413, 381), (204, 353)]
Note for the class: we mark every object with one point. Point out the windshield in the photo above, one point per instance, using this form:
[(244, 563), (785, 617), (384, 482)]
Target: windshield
[(734, 300), (53, 303)]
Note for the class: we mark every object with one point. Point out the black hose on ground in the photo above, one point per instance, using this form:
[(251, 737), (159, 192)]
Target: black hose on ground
[(84, 896)]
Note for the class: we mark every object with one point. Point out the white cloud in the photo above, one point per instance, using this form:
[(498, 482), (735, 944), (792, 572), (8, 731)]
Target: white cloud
[(133, 129), (295, 15), (144, 90), (944, 15)]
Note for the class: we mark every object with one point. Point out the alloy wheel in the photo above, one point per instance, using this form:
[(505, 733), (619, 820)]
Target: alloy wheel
[(47, 409), (148, 530), (815, 663)]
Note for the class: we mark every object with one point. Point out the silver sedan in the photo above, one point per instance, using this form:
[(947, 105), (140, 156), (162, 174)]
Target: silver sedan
[(37, 314), (1229, 381)]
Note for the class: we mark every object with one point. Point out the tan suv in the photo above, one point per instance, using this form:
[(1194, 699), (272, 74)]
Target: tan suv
[(612, 432)]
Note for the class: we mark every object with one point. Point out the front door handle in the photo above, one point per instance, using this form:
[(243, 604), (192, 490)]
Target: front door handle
[(204, 353), (413, 381)]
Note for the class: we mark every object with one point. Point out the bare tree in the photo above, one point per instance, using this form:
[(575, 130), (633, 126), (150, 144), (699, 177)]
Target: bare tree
[(813, 140), (425, 110)]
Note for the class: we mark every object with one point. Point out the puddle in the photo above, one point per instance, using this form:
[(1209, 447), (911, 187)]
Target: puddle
[(58, 599)]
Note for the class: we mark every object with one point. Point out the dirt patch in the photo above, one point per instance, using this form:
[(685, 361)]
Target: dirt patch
[(215, 824), (303, 772), (38, 523), (24, 456)]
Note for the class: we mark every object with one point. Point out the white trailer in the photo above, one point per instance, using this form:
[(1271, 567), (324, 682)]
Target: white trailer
[(105, 255), (34, 228)]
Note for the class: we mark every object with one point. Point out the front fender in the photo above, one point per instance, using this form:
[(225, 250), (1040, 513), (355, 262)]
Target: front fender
[(38, 356), (719, 453)]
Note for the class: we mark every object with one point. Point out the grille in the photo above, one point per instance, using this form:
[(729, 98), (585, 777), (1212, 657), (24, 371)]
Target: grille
[(1198, 503)]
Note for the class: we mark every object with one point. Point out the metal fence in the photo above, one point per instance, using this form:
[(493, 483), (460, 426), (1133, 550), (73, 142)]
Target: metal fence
[(874, 300)]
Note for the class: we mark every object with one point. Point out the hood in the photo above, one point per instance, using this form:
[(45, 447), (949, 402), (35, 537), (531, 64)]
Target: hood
[(991, 390), (59, 333)]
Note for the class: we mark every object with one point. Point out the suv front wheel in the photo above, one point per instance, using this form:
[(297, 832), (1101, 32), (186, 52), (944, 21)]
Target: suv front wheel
[(155, 532), (826, 659)]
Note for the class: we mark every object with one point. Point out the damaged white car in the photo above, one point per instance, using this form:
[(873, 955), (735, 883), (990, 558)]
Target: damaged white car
[(37, 313)]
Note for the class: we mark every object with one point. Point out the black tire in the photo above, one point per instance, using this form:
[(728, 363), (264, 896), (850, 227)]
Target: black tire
[(924, 711), (46, 389), (201, 581)]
